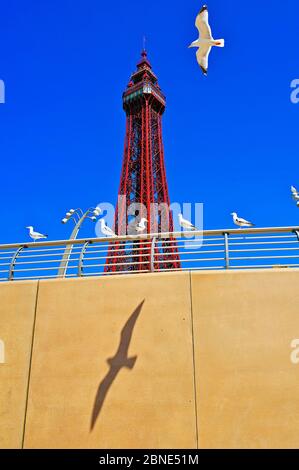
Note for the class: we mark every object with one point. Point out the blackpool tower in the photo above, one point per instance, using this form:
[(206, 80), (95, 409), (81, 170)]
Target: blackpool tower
[(143, 191)]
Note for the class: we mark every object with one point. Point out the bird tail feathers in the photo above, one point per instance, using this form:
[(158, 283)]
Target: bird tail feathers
[(220, 43), (131, 362)]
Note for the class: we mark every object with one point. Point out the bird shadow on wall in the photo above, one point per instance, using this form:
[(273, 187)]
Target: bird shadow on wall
[(116, 363)]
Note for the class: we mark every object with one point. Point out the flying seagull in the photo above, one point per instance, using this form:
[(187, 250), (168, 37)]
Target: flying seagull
[(106, 230), (35, 235), (140, 226), (205, 42), (186, 224), (241, 222), (295, 193)]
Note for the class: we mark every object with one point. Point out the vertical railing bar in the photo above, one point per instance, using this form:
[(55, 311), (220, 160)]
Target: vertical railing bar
[(153, 245), (226, 247), (13, 262)]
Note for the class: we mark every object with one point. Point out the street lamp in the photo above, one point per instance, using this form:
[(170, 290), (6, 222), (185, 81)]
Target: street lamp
[(78, 217)]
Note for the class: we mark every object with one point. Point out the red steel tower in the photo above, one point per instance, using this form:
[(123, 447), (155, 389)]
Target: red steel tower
[(143, 190)]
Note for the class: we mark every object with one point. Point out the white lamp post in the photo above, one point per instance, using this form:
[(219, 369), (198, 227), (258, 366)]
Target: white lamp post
[(78, 217)]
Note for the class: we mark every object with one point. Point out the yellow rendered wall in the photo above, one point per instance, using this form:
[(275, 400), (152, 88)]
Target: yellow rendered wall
[(83, 322), (17, 311), (193, 359), (247, 386)]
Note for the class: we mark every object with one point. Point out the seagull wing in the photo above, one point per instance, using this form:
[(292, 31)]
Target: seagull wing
[(106, 230), (295, 193), (202, 55), (186, 224), (40, 235), (202, 23), (110, 231), (189, 224), (244, 221)]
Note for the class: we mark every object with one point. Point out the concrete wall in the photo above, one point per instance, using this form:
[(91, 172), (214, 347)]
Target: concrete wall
[(247, 386), (174, 360), (17, 312)]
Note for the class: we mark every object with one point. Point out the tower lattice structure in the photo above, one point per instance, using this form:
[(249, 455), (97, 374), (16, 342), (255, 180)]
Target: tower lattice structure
[(143, 190)]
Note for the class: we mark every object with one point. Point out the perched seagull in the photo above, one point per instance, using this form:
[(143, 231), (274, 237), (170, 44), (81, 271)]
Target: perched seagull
[(140, 227), (295, 193), (106, 230), (241, 222), (35, 235), (205, 40), (186, 224)]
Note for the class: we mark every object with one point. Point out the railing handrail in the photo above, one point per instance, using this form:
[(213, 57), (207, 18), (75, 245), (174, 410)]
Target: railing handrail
[(149, 236)]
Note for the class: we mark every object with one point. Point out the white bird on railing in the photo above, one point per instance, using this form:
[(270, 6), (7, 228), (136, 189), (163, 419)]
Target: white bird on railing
[(35, 235), (106, 230), (186, 224), (295, 193), (140, 226), (205, 42), (241, 222)]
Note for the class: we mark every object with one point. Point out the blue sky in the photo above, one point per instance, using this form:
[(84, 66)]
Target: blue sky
[(231, 139)]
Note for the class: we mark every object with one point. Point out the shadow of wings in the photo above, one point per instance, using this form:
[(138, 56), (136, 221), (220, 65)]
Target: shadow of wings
[(119, 361)]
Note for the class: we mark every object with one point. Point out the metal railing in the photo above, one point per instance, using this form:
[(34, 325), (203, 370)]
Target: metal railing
[(252, 248)]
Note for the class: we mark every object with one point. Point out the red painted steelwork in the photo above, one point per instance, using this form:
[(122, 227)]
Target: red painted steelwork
[(143, 179)]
